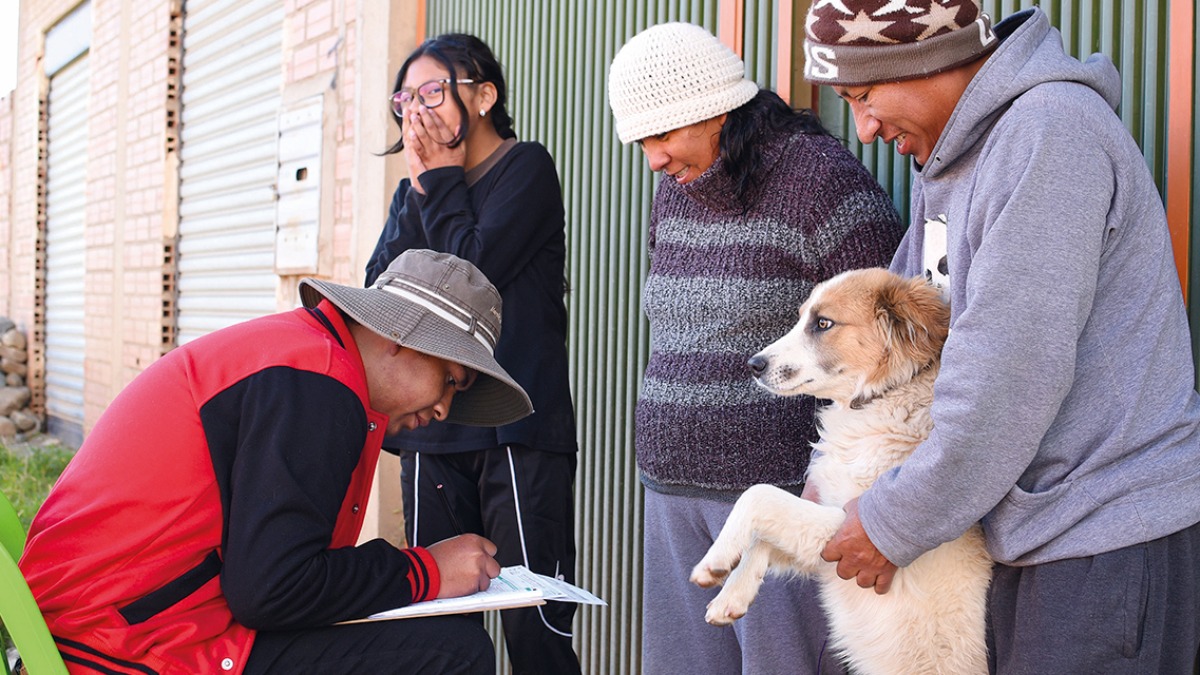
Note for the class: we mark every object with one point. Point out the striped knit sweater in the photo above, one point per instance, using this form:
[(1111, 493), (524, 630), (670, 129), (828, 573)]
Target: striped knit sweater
[(722, 285)]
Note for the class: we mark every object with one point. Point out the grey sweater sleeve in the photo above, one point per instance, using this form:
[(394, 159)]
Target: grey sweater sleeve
[(1035, 232)]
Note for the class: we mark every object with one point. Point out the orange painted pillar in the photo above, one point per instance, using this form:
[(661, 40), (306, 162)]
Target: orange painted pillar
[(783, 60), (731, 17), (731, 22), (420, 21), (1180, 111)]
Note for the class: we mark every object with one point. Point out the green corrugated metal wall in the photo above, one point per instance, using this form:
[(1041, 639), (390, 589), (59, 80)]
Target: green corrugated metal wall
[(556, 56)]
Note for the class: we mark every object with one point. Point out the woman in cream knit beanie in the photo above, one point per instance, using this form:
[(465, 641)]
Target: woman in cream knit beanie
[(756, 204), (673, 75)]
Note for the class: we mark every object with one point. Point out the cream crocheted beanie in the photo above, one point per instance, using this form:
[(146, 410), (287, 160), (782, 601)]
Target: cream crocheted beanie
[(672, 75)]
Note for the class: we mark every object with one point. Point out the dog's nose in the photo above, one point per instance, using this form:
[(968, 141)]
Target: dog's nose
[(758, 364)]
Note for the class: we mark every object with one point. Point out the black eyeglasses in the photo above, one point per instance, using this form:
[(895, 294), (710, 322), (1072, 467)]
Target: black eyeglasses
[(431, 94)]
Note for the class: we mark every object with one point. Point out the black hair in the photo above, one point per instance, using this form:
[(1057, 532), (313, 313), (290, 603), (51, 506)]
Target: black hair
[(749, 126), (469, 58)]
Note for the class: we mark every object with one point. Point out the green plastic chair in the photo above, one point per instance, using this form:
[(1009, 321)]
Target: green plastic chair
[(12, 532), (22, 618)]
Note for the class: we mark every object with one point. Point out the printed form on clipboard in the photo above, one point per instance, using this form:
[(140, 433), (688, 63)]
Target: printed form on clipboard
[(517, 586)]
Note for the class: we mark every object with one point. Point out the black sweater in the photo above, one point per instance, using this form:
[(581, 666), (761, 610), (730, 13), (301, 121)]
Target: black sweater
[(505, 216)]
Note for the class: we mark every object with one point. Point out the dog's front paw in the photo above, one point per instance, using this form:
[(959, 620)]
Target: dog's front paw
[(711, 570), (704, 577), (726, 608)]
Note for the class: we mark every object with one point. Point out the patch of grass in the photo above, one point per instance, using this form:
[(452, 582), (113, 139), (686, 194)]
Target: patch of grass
[(28, 471)]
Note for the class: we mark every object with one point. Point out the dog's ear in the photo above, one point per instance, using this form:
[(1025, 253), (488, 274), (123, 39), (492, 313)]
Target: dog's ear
[(913, 318)]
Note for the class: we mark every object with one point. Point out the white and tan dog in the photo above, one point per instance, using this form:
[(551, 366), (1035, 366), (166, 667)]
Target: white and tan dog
[(870, 342)]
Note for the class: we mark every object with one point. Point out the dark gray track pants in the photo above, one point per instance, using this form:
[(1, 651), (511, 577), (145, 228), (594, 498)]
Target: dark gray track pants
[(1134, 610)]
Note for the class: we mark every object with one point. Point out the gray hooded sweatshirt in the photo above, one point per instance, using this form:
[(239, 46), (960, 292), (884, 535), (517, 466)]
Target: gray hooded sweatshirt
[(1065, 415)]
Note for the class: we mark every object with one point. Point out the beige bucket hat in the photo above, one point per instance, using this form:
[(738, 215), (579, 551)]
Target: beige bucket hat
[(441, 305)]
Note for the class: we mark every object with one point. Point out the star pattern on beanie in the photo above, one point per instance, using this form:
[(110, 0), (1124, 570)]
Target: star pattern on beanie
[(941, 18), (863, 41), (836, 4), (888, 21), (896, 6), (863, 27)]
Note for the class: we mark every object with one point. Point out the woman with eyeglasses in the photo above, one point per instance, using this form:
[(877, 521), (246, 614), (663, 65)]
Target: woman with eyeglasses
[(756, 203), (475, 191)]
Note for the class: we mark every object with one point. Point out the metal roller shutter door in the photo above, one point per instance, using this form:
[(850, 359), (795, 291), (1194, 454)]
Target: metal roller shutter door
[(66, 184), (228, 165)]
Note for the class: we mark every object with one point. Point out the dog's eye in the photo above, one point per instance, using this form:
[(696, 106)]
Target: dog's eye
[(824, 324)]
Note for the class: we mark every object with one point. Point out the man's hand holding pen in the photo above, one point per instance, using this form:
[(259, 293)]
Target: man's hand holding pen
[(467, 564)]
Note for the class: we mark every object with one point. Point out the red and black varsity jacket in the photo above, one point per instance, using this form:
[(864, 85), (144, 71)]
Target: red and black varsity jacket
[(222, 492)]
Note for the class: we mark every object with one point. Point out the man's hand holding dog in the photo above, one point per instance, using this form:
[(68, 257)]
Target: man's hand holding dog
[(855, 555)]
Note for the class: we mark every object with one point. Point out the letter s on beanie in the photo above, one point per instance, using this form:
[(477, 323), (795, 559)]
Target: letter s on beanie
[(859, 42)]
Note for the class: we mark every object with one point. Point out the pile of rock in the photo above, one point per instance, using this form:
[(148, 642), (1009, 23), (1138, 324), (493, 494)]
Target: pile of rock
[(17, 421)]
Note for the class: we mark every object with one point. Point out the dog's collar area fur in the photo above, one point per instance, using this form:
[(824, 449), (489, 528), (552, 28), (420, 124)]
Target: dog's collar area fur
[(858, 402)]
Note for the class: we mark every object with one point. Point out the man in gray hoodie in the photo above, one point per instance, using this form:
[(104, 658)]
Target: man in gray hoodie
[(1066, 418)]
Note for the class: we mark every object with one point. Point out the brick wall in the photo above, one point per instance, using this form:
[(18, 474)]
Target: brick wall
[(6, 177), (320, 38), (131, 74), (131, 212), (344, 51), (26, 110)]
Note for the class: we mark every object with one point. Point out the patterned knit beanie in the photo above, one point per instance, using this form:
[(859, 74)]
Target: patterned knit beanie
[(672, 75), (858, 42)]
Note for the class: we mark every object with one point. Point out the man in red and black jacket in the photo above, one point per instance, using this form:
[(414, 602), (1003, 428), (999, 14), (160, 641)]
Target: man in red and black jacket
[(209, 522)]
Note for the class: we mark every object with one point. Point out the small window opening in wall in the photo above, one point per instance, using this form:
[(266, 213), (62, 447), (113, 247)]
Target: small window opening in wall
[(301, 173)]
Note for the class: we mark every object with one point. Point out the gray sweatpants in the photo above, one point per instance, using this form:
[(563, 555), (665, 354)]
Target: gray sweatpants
[(1132, 611), (784, 631)]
